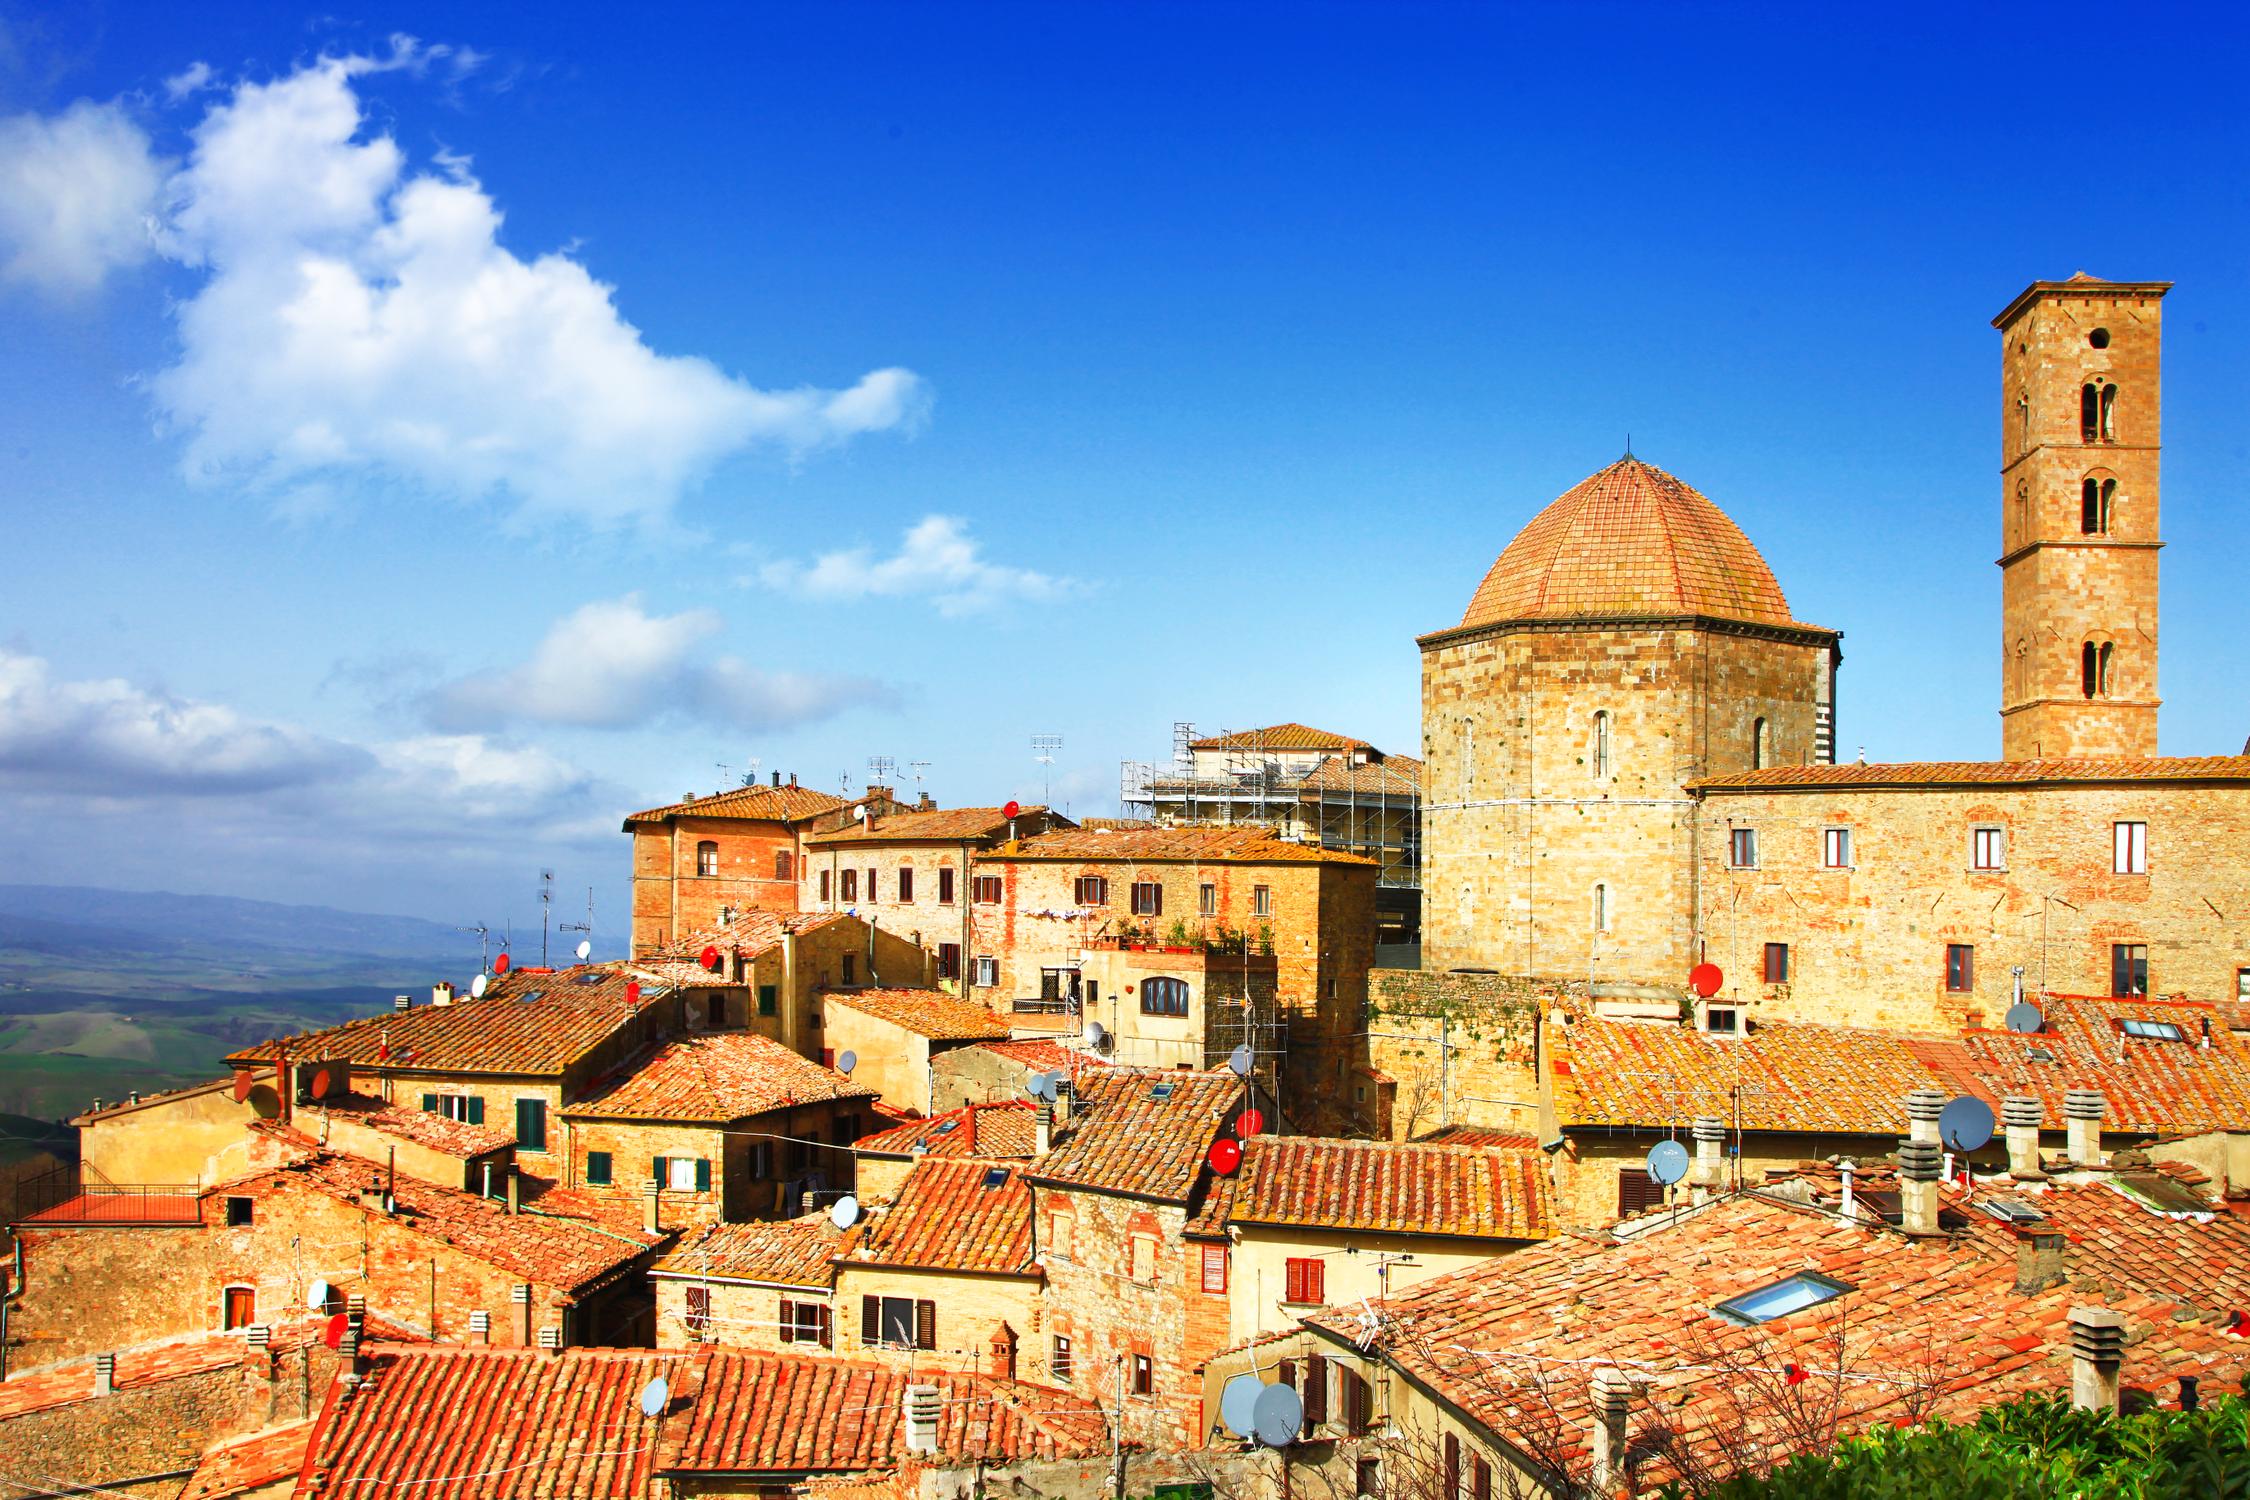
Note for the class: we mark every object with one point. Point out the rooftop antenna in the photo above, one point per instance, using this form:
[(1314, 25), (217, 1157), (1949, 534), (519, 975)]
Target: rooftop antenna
[(586, 945), (484, 945), (546, 901), (1043, 748), (726, 773), (750, 776), (844, 784), (880, 768), (917, 767)]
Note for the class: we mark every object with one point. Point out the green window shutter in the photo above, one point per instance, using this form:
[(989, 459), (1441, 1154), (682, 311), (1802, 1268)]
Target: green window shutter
[(658, 1172), (429, 1103), (476, 1109), (531, 1124), (768, 999), (703, 1174), (597, 1168)]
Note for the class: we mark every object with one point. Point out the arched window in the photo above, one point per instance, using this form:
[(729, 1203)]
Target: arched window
[(706, 858), (1601, 908), (2109, 413), (2093, 668), (1164, 997), (2101, 669), (2089, 412), (2023, 668), (1601, 742), (1761, 751), (784, 865)]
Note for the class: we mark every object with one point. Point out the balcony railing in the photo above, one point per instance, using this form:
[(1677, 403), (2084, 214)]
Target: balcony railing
[(63, 1197)]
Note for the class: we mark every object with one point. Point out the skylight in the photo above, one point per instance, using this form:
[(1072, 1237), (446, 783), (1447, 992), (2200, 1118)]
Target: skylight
[(1160, 1093), (532, 995), (944, 1126), (2154, 1031), (595, 976), (994, 1176), (1792, 1294), (2011, 1210)]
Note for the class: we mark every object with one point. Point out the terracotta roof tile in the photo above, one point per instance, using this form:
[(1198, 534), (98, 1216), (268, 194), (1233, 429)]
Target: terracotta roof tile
[(1280, 737), (764, 804), (1123, 1138), (750, 934), (1044, 1055), (2147, 1085), (788, 1252), (1471, 1135), (194, 1354), (1393, 776), (249, 1463), (990, 1131), (451, 1137), (953, 1215), (1630, 540), (1248, 845), (712, 1079), (949, 825), (1901, 774), (929, 1013), (1385, 1187)]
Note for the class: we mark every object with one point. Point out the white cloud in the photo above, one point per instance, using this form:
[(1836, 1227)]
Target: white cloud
[(192, 79), (78, 197), (936, 559), (612, 665)]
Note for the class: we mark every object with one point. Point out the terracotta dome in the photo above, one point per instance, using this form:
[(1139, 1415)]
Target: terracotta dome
[(1629, 541)]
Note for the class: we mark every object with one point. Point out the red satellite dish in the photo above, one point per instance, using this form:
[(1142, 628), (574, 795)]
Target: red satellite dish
[(710, 958), (244, 1081), (632, 992), (1705, 979), (500, 964), (334, 1336), (1226, 1156), (323, 1079), (1011, 810), (1795, 1374), (1249, 1123)]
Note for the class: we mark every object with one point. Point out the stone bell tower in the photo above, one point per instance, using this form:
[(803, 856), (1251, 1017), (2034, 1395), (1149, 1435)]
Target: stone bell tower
[(2079, 442)]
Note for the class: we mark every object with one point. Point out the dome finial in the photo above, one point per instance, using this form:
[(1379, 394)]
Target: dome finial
[(1628, 445)]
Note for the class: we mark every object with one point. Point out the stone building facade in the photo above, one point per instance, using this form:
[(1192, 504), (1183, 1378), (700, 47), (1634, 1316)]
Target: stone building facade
[(736, 850)]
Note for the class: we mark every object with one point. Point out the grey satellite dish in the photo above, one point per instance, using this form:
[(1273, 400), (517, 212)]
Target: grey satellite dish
[(1043, 1086), (846, 1060), (2023, 1016), (584, 949), (1238, 1404), (1239, 1061), (1276, 1416), (1965, 1124), (477, 986), (1667, 1162), (844, 1212), (654, 1397), (316, 1296), (1095, 1033)]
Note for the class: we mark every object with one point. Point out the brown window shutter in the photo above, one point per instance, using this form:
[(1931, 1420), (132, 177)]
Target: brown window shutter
[(1316, 1391), (1158, 892), (1288, 1373), (870, 1320), (785, 1321), (925, 1324), (827, 1326)]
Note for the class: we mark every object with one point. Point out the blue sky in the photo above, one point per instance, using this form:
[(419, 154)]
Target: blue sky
[(419, 452)]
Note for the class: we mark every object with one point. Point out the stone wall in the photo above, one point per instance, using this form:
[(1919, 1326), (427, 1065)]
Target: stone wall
[(1460, 1049), (194, 1135), (671, 899), (742, 1317), (922, 920), (969, 1310)]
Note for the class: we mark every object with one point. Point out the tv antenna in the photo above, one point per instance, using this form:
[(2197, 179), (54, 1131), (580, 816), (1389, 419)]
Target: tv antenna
[(750, 776), (880, 767), (586, 927), (1043, 748), (917, 767), (546, 901), (484, 945)]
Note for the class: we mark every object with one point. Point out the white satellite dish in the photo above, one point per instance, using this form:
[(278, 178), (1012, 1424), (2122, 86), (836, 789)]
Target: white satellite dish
[(316, 1296), (585, 949), (1238, 1403), (1277, 1416), (477, 986), (1095, 1032), (846, 1060), (655, 1396), (844, 1212), (859, 813), (1240, 1061)]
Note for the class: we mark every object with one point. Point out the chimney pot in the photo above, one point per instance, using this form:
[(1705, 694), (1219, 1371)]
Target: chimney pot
[(550, 1339), (650, 1205), (1004, 1352), (402, 1002), (2040, 1260), (480, 1323), (922, 1409), (441, 993), (1612, 1400), (777, 778), (515, 1188), (2021, 1115), (1923, 1106), (2082, 1123), (1919, 1164), (105, 1374), (2097, 1353), (1043, 1129)]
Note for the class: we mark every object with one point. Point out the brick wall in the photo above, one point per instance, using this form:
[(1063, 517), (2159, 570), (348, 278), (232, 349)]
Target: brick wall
[(1094, 1299), (671, 898)]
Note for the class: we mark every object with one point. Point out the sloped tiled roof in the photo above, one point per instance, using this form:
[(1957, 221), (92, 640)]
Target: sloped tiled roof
[(941, 825), (1386, 1187), (1280, 737), (194, 1354), (1472, 1135), (452, 1137), (751, 934), (964, 1216), (1512, 1341), (1123, 1139), (1002, 1129), (1251, 845), (929, 1013), (712, 1079), (2147, 1086), (1629, 541), (1393, 776), (249, 1463), (1043, 1054), (1940, 773), (786, 1252), (505, 1032), (775, 804)]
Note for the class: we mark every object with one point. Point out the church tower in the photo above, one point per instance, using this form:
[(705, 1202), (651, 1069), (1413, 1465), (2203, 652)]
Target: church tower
[(2080, 408)]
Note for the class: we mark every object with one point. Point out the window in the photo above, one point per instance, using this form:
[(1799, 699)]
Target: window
[(1315, 1393), (784, 865), (717, 1011), (905, 886), (2095, 499), (2099, 338), (531, 1124), (1601, 908), (467, 1108), (1141, 1261), (1601, 743), (1960, 968), (1060, 1223), (949, 961), (698, 1311), (851, 885), (1206, 900), (769, 999), (2128, 969), (1742, 848), (1636, 1190), (806, 1323), (1148, 899), (684, 1174), (2093, 669), (1304, 1280), (1369, 1483), (1480, 1479), (988, 971), (2151, 1031), (945, 886), (1722, 1020), (1779, 1300), (898, 1322), (1093, 890), (2242, 984), (2096, 411), (1777, 963), (1059, 1364), (985, 890), (1261, 901), (1761, 747), (1836, 848), (873, 895), (597, 1169), (1452, 1470), (238, 1212), (2129, 849), (824, 885), (1988, 849), (1164, 997), (1214, 1268), (706, 858), (1144, 1375), (1058, 984), (851, 968), (240, 1309), (2109, 413)]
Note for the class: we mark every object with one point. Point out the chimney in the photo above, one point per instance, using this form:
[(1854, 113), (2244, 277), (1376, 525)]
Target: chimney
[(922, 1408), (1062, 1101), (480, 1326), (792, 778), (2039, 1260), (1709, 1170), (487, 1190), (1923, 1106), (374, 1200), (1042, 1128), (649, 1216), (1613, 1395), (402, 1002), (550, 1339), (515, 1188), (1004, 1352), (777, 778), (441, 993), (2022, 1116), (1918, 1166), (105, 1374), (969, 1130), (1844, 1170), (2082, 1119), (355, 1325), (2097, 1350)]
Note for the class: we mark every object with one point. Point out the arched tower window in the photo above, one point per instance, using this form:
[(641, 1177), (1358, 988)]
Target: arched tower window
[(1601, 908), (2101, 669), (1761, 748), (2109, 413), (2093, 668), (1601, 742), (2089, 412)]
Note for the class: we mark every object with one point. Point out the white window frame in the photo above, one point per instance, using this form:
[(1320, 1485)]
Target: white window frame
[(2128, 849), (987, 972), (1735, 845), (1982, 858), (1836, 840), (679, 1173)]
